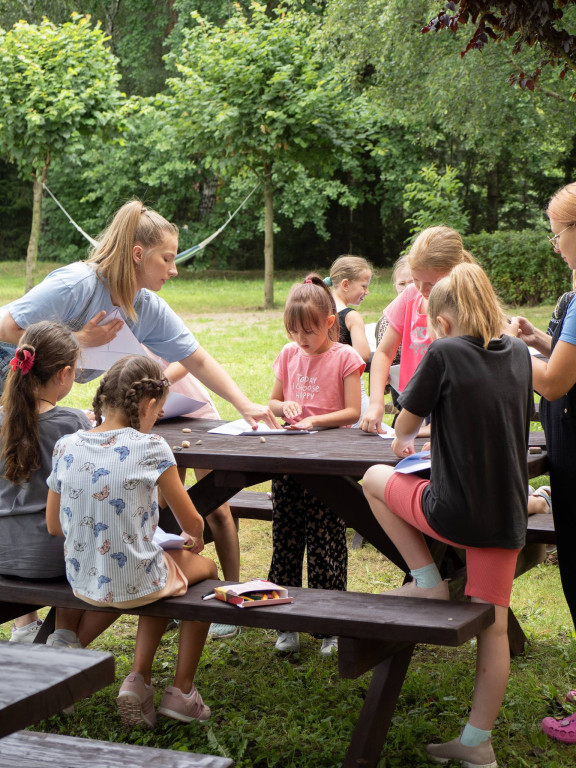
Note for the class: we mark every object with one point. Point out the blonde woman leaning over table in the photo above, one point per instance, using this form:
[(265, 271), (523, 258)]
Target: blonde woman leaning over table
[(132, 260)]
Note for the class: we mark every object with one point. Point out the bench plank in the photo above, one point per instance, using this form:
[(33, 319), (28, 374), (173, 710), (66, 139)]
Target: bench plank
[(345, 614), (541, 529), (27, 749), (251, 505)]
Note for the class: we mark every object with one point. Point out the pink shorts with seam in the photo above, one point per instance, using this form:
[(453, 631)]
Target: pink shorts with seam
[(490, 569)]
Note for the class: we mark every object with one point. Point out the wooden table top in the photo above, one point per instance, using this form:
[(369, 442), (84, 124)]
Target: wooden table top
[(327, 452), (38, 681)]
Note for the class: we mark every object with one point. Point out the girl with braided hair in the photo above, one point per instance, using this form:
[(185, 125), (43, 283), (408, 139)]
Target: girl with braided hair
[(103, 499)]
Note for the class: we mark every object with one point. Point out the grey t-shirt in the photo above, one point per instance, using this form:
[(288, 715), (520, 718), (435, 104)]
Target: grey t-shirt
[(27, 550)]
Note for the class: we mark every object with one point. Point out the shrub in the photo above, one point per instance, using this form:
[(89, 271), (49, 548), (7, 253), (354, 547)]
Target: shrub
[(523, 267)]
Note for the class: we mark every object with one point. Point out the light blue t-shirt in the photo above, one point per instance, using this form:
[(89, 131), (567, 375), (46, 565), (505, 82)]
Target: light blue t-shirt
[(568, 333), (75, 293), (109, 511)]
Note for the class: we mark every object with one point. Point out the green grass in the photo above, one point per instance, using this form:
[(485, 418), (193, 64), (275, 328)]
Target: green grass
[(297, 713)]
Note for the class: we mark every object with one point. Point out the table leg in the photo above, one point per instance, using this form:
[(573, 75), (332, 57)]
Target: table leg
[(377, 711)]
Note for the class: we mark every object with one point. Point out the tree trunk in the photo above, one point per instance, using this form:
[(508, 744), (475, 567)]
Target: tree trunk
[(268, 245), (492, 199), (32, 253)]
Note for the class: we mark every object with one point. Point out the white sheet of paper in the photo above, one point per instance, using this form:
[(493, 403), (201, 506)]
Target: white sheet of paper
[(395, 377), (388, 434), (167, 540), (125, 343), (241, 427), (370, 330), (177, 405)]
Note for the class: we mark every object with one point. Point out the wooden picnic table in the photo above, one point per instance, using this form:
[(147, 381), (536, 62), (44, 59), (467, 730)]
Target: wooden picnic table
[(38, 681), (328, 463)]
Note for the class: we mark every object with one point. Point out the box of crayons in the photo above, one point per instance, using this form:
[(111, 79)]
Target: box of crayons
[(257, 593)]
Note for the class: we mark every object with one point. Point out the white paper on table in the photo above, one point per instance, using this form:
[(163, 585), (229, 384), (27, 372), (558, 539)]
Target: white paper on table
[(125, 343), (241, 427), (177, 405), (388, 432), (414, 463), (395, 377)]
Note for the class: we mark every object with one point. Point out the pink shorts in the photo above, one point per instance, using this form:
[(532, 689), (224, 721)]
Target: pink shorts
[(490, 569), (176, 585)]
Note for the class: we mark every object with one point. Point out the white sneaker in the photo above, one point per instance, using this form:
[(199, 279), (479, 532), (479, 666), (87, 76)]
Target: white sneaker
[(63, 638), (329, 646), (220, 631), (25, 635), (288, 642)]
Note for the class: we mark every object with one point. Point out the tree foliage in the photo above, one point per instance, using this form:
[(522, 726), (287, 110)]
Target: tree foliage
[(526, 22), (58, 87), (253, 100)]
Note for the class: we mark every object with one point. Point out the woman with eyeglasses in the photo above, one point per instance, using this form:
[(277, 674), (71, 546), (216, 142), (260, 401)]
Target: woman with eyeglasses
[(555, 380)]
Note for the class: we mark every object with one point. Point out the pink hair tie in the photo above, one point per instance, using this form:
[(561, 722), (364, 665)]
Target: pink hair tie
[(25, 363), (307, 280)]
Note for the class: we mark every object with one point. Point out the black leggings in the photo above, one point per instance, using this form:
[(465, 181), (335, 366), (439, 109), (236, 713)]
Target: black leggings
[(301, 522)]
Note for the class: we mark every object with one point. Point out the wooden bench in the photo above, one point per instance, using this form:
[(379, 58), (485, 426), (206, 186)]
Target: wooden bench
[(375, 632), (252, 505), (540, 530), (28, 749)]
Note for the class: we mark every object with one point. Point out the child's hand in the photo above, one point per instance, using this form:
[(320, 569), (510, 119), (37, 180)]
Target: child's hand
[(194, 544), (291, 409), (306, 423), (402, 448)]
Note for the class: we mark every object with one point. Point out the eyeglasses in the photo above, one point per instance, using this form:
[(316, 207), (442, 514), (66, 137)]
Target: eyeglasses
[(555, 239)]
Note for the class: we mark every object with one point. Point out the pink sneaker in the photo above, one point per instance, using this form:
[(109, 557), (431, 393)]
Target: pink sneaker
[(561, 730), (183, 707), (136, 702)]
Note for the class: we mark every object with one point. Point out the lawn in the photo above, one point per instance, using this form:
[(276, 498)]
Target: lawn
[(296, 712)]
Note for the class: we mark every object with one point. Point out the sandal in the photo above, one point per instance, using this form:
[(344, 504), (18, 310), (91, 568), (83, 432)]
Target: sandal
[(571, 697), (544, 493), (562, 730)]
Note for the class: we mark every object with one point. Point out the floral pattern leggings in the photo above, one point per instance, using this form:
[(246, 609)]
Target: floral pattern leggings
[(301, 522)]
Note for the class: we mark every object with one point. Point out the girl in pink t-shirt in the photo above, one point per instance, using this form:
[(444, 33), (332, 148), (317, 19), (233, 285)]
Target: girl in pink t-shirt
[(317, 385), (432, 256)]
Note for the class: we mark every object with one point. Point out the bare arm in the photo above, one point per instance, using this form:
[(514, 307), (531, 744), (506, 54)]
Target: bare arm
[(53, 514), (175, 372), (357, 329), (212, 374), (407, 427), (181, 504), (555, 378), (9, 331), (379, 373), (532, 336), (289, 409)]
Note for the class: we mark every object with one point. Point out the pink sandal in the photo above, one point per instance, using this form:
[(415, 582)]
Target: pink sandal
[(562, 730), (571, 697)]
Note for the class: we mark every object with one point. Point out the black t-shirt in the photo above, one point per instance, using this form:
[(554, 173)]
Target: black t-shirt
[(345, 337), (480, 401)]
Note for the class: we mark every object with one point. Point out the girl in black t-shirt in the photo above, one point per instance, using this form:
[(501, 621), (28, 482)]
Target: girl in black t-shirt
[(476, 497)]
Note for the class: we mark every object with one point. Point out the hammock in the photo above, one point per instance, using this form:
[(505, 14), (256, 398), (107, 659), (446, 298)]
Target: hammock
[(182, 257)]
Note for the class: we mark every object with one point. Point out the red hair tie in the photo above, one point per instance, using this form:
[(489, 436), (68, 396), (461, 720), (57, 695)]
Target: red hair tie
[(25, 363)]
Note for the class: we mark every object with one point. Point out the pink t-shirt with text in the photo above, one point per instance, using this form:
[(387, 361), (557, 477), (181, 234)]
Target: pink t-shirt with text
[(316, 381), (405, 319)]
